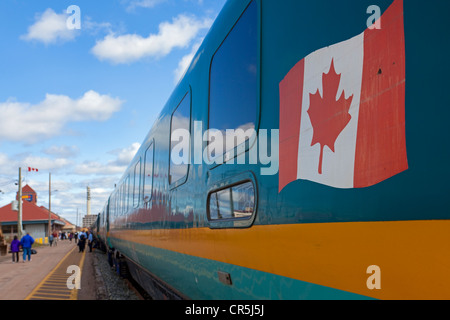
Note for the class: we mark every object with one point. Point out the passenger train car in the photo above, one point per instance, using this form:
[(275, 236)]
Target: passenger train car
[(303, 155)]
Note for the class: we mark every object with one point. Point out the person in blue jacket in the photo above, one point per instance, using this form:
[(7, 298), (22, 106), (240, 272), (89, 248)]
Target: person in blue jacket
[(15, 248), (26, 242)]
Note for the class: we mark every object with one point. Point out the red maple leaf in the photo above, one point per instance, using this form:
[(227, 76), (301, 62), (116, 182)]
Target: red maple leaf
[(328, 116)]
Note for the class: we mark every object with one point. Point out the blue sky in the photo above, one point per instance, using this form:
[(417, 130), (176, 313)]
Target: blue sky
[(78, 102)]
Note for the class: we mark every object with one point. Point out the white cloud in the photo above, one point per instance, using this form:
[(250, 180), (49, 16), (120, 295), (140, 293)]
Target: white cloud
[(31, 123), (62, 151), (124, 156), (50, 27), (45, 164), (9, 164), (97, 168), (132, 47), (112, 167), (185, 62), (143, 4), (94, 28)]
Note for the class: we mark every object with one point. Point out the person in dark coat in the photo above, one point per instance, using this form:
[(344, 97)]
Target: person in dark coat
[(15, 248), (82, 243)]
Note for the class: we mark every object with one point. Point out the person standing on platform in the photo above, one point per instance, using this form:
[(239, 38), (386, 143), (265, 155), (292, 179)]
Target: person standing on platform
[(55, 238), (26, 242), (15, 248), (82, 242), (50, 239), (90, 241)]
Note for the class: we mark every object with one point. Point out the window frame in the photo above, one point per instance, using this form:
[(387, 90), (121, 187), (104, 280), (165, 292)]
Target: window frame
[(152, 147), (127, 193), (138, 188), (248, 144), (227, 223), (184, 179)]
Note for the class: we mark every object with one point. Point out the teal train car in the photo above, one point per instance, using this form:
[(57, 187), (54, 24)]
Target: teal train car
[(302, 156)]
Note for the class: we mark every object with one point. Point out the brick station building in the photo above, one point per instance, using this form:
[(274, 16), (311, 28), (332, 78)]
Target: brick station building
[(34, 217)]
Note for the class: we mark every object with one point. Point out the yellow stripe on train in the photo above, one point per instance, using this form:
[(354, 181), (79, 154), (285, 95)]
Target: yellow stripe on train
[(412, 258)]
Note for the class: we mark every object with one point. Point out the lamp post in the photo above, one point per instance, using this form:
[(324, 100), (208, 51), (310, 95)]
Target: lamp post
[(19, 213), (49, 205)]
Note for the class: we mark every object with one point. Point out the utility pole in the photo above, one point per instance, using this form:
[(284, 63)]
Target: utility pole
[(19, 213), (49, 204)]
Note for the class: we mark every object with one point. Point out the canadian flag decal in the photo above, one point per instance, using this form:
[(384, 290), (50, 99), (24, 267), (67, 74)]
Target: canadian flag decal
[(328, 116), (342, 110)]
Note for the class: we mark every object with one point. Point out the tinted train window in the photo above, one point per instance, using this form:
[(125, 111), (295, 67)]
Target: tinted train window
[(233, 78), (221, 202), (148, 173), (243, 200), (127, 193), (180, 141), (121, 200), (137, 175), (237, 202)]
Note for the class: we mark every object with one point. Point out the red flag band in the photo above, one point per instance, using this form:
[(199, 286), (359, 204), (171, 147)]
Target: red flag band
[(32, 169)]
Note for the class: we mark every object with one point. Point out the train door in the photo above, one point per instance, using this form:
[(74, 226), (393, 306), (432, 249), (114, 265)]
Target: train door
[(181, 192), (233, 120), (107, 223)]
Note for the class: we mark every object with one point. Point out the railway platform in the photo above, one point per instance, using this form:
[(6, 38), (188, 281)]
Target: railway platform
[(45, 277)]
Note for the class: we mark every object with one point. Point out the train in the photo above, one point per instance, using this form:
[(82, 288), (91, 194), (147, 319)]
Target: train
[(301, 156)]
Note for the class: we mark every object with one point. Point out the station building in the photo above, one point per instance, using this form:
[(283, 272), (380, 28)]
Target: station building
[(89, 220), (34, 218)]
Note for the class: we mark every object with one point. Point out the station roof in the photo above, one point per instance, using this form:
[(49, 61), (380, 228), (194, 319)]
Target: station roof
[(31, 213)]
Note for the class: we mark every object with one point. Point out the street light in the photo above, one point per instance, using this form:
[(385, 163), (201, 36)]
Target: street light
[(50, 204)]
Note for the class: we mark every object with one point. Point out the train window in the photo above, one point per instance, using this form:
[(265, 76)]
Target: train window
[(123, 199), (214, 207), (237, 202), (118, 203), (137, 175), (224, 204), (113, 206), (233, 95), (119, 200), (180, 141), (113, 213), (148, 173), (243, 200), (127, 193)]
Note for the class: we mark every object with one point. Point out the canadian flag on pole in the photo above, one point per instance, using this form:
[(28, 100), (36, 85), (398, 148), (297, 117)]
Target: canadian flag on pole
[(342, 110), (32, 169)]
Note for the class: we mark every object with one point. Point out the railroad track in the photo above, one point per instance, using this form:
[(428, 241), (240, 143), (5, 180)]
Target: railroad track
[(140, 292)]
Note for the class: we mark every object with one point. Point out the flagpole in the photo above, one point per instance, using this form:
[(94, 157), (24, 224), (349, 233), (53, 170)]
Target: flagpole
[(19, 213), (49, 204)]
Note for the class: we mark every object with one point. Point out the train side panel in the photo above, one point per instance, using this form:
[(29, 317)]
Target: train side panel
[(233, 231)]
